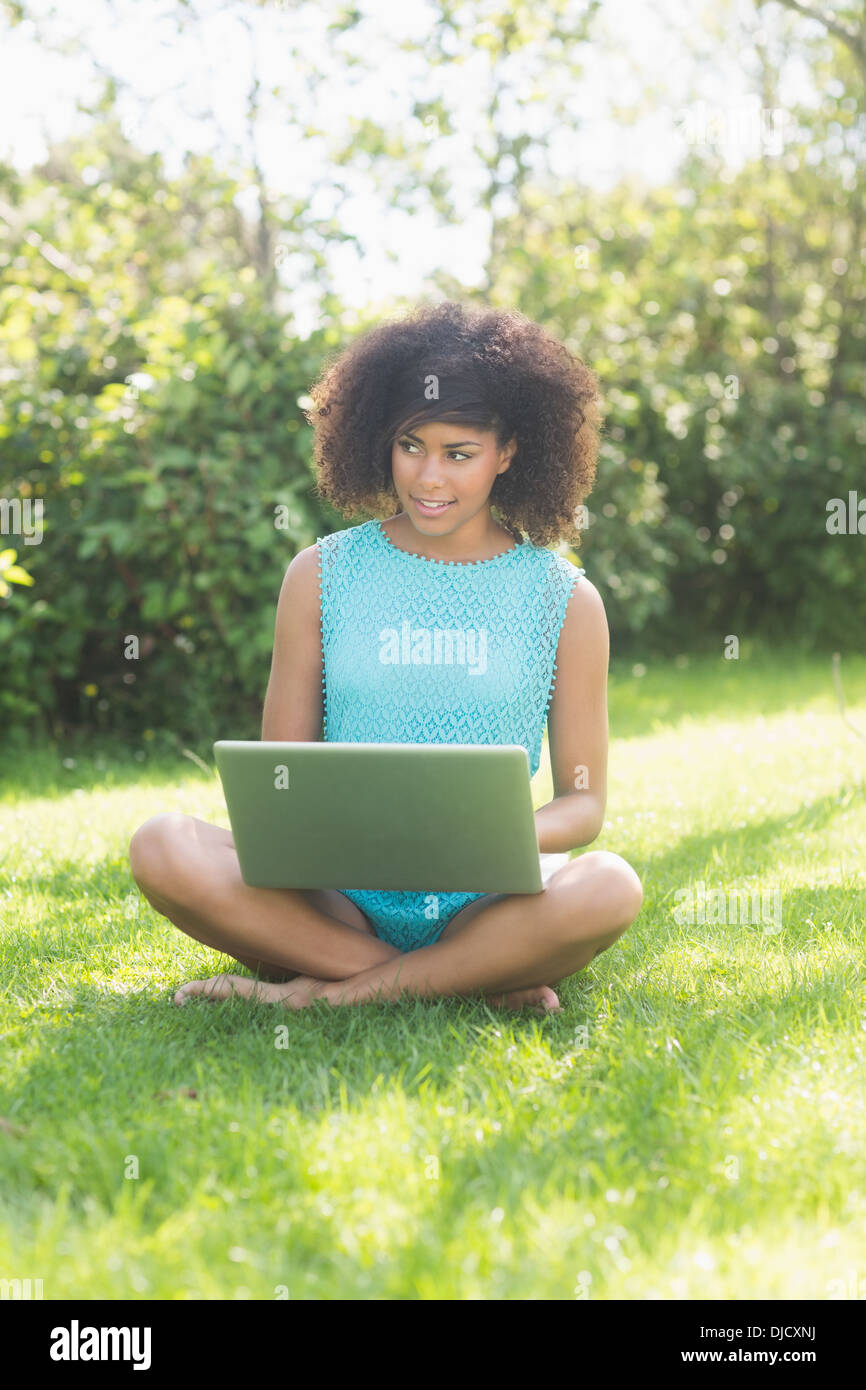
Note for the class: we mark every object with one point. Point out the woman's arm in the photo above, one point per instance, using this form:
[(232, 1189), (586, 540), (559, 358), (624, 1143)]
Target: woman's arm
[(577, 727), (293, 703)]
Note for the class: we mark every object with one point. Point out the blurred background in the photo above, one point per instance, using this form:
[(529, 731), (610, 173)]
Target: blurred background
[(199, 202)]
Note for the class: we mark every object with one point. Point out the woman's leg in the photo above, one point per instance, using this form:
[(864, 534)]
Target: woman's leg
[(188, 870), (501, 949), (516, 942), (542, 995)]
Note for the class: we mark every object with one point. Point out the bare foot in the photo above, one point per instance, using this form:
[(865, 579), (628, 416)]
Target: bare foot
[(304, 989), (294, 994), (542, 998)]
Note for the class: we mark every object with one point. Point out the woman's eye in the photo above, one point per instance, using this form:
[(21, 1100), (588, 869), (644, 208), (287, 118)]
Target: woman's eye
[(407, 444)]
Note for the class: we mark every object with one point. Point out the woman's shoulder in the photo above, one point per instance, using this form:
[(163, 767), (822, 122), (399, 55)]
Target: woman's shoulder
[(353, 538), (304, 570), (584, 602), (585, 611), (552, 561), (566, 565), (309, 572), (301, 580)]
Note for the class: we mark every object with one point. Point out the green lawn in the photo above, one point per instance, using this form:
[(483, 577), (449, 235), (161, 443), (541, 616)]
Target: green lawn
[(691, 1126)]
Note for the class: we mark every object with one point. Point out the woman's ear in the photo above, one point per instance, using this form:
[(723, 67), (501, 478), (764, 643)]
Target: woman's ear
[(509, 451)]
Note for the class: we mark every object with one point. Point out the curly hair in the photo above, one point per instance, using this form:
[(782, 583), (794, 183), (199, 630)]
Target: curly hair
[(494, 369)]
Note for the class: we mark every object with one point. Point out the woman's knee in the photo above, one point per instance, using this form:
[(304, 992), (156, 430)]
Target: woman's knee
[(156, 851), (605, 886), (619, 885)]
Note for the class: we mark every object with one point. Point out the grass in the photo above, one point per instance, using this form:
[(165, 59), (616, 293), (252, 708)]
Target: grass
[(691, 1126)]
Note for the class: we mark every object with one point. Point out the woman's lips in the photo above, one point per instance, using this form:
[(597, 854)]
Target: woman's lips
[(429, 510)]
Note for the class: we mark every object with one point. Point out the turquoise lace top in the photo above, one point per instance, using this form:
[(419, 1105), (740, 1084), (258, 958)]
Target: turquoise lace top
[(416, 650)]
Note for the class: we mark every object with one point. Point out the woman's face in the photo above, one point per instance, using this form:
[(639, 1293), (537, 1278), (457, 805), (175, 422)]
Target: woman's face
[(447, 463)]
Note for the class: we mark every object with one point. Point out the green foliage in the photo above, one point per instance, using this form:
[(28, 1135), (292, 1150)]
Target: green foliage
[(163, 434), (151, 387), (172, 509), (732, 370)]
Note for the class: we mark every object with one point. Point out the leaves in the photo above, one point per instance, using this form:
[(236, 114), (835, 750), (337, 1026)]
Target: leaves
[(10, 573), (158, 416)]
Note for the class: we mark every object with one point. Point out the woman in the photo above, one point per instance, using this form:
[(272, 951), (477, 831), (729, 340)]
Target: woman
[(484, 428)]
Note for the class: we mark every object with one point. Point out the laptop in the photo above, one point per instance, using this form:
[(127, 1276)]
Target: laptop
[(424, 817)]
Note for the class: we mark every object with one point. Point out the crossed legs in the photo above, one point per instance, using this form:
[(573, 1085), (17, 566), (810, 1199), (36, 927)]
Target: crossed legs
[(506, 947)]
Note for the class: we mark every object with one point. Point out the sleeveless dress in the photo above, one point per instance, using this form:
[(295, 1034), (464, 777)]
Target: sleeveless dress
[(416, 650)]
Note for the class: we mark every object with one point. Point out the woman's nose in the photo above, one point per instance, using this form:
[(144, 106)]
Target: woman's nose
[(432, 470)]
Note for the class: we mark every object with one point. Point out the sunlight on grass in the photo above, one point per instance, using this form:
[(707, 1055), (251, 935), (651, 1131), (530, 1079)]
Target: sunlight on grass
[(690, 1126)]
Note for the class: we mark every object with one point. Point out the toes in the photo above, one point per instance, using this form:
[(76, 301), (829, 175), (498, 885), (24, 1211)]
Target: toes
[(220, 987), (550, 1000), (187, 991), (541, 998)]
